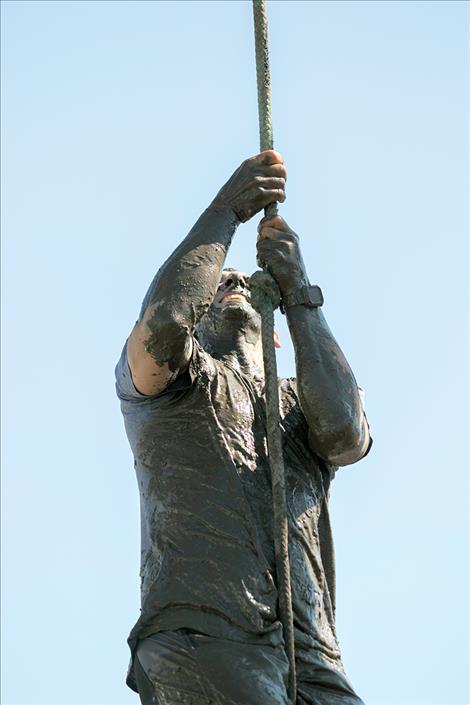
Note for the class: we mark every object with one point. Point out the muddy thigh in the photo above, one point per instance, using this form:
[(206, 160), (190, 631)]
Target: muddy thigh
[(322, 682), (183, 667)]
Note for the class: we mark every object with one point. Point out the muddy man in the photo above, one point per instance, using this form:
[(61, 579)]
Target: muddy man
[(190, 381)]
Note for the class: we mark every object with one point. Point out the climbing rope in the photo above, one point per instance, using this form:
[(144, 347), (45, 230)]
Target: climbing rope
[(265, 296)]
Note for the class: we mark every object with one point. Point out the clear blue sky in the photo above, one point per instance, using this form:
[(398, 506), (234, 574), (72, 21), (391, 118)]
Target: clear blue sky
[(120, 120)]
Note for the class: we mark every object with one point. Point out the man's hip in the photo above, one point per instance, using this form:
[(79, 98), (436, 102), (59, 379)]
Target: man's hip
[(184, 667)]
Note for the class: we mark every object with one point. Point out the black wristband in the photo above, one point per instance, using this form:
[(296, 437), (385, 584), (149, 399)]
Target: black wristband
[(310, 296)]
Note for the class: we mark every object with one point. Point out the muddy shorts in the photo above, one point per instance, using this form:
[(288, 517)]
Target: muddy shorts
[(184, 667)]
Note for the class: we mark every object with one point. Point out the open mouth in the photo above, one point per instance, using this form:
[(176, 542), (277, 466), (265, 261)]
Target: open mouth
[(234, 296)]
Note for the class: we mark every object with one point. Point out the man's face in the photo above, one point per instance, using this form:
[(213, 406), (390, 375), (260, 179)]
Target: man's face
[(230, 313), (233, 290)]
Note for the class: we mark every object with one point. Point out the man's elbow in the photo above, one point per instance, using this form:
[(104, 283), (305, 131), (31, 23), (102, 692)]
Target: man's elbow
[(343, 445)]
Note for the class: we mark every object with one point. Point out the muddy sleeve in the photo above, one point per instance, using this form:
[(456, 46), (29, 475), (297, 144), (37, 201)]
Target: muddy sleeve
[(362, 396), (200, 366), (125, 388)]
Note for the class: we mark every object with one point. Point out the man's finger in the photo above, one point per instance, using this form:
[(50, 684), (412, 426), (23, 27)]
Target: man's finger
[(272, 234), (272, 250), (271, 170), (273, 195), (270, 183), (273, 221), (270, 156)]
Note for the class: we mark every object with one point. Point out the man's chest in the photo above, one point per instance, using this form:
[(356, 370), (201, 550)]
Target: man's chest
[(240, 416)]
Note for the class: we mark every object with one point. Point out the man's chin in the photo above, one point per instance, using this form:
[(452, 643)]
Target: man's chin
[(236, 308), (221, 323)]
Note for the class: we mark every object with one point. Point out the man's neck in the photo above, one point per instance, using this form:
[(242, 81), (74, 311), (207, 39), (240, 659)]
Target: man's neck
[(244, 355)]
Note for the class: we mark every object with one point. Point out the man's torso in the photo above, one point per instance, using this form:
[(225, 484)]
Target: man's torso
[(206, 510)]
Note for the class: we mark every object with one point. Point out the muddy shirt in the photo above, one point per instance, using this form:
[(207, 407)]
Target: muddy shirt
[(206, 511)]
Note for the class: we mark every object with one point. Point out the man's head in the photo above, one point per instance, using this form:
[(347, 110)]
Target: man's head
[(231, 316)]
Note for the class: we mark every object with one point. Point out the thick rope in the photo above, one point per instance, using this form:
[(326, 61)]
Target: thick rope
[(265, 298), (266, 140)]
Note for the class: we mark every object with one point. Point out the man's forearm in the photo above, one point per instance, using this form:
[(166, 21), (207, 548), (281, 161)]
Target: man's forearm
[(327, 389), (185, 285)]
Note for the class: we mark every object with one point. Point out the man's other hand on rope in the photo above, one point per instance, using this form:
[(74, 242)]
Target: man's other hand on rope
[(279, 252)]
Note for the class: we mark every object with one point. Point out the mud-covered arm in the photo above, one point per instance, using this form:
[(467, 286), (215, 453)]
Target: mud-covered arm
[(160, 345), (327, 389)]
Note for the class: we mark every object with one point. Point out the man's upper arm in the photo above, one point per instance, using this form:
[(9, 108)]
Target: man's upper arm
[(149, 377)]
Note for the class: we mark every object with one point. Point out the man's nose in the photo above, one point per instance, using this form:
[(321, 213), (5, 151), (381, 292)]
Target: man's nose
[(236, 280)]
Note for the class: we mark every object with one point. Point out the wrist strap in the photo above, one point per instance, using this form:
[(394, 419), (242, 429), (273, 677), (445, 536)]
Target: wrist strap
[(310, 296)]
